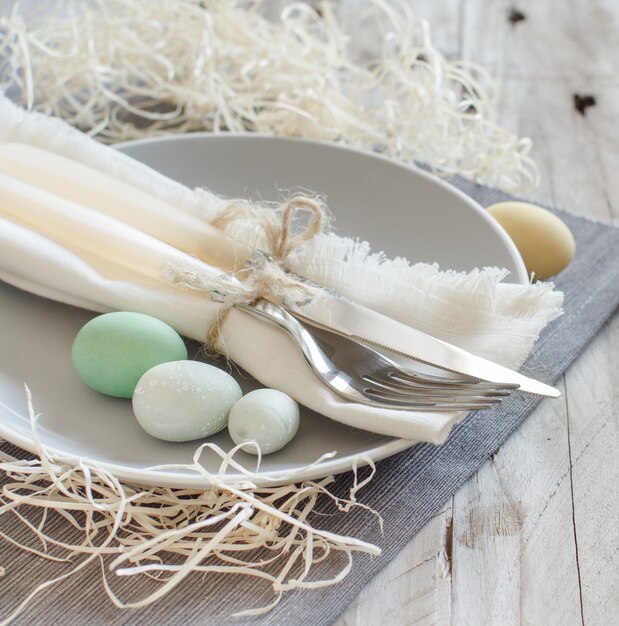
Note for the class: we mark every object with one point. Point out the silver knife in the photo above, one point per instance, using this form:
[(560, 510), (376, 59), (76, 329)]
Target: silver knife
[(357, 322)]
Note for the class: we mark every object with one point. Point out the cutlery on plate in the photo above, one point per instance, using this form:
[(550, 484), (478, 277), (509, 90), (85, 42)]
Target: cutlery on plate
[(361, 374), (359, 323), (336, 314)]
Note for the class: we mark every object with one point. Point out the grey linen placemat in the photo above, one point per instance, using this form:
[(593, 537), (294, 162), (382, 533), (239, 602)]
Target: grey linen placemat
[(408, 490)]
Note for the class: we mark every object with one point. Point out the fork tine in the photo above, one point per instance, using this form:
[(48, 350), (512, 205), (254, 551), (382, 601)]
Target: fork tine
[(443, 397), (386, 400), (429, 398), (419, 389), (415, 377), (394, 382)]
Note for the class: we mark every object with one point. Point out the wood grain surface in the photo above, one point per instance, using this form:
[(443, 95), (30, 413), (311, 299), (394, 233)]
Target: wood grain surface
[(533, 538)]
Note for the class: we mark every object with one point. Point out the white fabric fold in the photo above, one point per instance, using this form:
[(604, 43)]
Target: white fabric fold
[(68, 251)]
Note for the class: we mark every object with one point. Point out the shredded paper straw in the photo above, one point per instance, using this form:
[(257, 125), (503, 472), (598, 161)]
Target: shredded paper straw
[(168, 534), (125, 69)]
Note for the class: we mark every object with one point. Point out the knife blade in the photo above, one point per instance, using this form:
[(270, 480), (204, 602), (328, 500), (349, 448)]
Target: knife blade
[(360, 323)]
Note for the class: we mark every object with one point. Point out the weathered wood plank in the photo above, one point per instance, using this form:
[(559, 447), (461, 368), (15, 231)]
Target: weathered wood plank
[(593, 381), (556, 39), (415, 588), (535, 530), (576, 157), (513, 550), (594, 435)]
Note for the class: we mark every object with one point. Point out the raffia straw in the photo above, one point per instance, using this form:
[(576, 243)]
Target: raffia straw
[(125, 69), (169, 534)]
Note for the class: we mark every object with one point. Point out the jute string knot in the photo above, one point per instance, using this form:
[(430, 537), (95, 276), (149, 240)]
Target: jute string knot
[(264, 275), (277, 225)]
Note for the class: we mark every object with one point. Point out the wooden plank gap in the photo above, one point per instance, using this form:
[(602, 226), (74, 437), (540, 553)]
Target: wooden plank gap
[(569, 451), (449, 543)]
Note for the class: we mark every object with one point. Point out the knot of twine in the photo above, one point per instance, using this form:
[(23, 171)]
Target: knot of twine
[(264, 275), (280, 243)]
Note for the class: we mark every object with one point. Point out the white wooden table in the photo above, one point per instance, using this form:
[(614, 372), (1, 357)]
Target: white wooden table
[(533, 538)]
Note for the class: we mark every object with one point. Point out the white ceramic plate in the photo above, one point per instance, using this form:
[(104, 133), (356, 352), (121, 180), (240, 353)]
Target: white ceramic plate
[(400, 210)]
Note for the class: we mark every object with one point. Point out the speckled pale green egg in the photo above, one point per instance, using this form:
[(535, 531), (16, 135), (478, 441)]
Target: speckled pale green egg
[(266, 416), (113, 351), (184, 400), (543, 240)]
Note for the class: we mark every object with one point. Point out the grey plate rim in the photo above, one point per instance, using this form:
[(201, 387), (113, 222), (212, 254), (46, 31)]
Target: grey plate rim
[(521, 275)]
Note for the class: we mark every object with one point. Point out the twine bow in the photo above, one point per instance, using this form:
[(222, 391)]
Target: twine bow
[(264, 275), (278, 230)]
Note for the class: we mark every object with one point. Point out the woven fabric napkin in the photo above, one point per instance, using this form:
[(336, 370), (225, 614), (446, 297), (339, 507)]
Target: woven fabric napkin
[(57, 242), (408, 490)]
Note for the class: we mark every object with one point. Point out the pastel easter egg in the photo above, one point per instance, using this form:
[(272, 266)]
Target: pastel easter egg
[(266, 416), (543, 240), (112, 351), (184, 400)]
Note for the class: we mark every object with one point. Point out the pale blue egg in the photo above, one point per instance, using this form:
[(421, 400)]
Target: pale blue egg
[(266, 416), (184, 400)]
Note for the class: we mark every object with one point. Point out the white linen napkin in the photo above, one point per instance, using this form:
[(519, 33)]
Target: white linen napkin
[(65, 249)]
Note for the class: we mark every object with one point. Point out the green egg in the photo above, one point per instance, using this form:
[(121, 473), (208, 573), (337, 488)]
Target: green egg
[(113, 351)]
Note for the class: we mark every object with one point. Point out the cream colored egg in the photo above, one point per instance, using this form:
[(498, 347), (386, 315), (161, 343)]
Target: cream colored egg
[(543, 240)]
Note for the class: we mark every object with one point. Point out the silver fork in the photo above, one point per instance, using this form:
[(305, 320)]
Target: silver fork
[(361, 374)]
